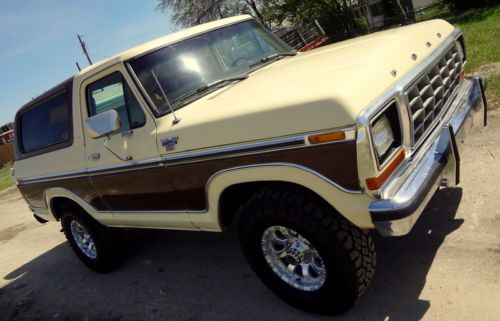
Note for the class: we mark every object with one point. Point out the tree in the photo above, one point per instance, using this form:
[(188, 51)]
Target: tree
[(187, 13), (337, 17)]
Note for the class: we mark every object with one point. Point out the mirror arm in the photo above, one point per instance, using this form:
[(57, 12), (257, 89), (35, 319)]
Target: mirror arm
[(106, 141)]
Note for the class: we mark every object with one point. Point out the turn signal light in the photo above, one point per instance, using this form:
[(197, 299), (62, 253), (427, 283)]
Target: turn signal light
[(375, 183), (462, 73), (326, 137)]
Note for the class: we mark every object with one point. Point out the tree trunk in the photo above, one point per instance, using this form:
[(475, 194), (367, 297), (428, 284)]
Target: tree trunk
[(256, 10)]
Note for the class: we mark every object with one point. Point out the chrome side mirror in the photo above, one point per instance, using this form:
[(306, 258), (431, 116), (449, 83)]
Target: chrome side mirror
[(103, 124)]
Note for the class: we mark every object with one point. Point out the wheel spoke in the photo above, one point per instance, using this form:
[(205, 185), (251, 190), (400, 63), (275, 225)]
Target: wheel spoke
[(319, 270), (305, 270), (277, 240)]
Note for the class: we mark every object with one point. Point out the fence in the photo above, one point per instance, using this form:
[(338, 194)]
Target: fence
[(6, 153)]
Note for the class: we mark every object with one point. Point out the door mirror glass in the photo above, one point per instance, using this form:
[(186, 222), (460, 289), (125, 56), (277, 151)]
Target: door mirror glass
[(103, 124)]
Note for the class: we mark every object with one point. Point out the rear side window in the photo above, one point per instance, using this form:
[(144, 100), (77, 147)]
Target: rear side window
[(46, 124), (112, 92)]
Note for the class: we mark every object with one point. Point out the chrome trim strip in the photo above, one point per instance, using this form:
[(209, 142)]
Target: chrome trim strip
[(53, 177), (141, 164), (281, 143), (142, 90), (307, 169)]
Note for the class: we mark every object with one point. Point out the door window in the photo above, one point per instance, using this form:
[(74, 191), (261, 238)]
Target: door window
[(112, 92)]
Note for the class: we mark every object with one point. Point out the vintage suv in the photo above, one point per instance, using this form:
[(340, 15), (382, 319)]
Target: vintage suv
[(225, 124)]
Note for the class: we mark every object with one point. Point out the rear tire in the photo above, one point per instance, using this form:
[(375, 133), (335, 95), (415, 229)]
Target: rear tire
[(94, 244), (340, 250)]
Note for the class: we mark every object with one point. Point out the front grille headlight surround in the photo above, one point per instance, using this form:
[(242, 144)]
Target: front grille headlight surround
[(386, 133), (383, 138), (461, 48)]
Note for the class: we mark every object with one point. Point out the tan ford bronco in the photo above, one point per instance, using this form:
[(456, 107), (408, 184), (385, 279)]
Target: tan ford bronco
[(224, 124)]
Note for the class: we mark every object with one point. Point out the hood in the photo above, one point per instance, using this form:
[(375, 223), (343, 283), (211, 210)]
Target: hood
[(320, 89)]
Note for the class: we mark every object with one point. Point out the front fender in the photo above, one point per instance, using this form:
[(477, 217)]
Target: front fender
[(353, 205)]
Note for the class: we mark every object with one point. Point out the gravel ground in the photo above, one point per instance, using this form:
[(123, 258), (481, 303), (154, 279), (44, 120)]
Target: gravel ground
[(448, 268)]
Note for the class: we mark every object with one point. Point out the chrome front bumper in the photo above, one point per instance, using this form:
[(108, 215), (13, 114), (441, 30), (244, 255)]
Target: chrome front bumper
[(436, 164)]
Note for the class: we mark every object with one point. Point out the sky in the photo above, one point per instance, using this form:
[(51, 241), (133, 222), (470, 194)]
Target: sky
[(39, 48)]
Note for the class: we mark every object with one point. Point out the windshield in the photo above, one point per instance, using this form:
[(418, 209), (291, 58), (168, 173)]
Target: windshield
[(171, 74)]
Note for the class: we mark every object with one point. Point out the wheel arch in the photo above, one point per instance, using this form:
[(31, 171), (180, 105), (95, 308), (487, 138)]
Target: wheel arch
[(353, 205), (57, 198)]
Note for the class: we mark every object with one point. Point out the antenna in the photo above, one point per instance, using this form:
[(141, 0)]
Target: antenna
[(84, 48), (78, 66), (176, 120)]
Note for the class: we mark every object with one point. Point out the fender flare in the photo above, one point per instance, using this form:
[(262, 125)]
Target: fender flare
[(353, 205), (55, 192)]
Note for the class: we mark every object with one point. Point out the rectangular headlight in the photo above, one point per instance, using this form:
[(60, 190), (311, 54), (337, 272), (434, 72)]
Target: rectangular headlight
[(382, 136), (460, 43), (386, 132)]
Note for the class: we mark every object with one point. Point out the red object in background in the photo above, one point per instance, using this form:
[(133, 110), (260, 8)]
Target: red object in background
[(323, 41), (7, 137)]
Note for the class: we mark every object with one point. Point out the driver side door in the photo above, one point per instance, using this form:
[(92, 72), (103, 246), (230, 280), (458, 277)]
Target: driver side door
[(123, 166)]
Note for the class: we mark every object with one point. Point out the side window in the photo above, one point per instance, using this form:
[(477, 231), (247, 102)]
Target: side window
[(112, 92), (46, 124)]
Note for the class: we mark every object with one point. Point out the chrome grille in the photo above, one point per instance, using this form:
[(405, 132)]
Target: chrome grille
[(429, 96)]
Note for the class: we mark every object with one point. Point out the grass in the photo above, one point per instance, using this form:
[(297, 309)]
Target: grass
[(482, 33), (5, 177)]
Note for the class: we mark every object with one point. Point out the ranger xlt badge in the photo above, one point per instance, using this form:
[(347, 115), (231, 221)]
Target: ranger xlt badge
[(169, 143)]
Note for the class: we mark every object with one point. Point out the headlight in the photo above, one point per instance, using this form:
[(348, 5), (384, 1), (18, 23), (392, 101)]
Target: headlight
[(383, 138), (461, 49), (386, 132)]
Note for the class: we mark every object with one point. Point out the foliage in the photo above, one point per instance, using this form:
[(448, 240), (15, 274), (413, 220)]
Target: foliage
[(461, 5), (187, 13), (5, 176), (335, 16), (481, 29)]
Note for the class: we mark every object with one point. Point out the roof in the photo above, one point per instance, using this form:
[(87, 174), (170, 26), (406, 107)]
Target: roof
[(67, 84), (162, 42)]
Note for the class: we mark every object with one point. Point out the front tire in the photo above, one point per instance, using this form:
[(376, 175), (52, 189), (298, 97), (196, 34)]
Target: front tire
[(94, 244), (305, 251)]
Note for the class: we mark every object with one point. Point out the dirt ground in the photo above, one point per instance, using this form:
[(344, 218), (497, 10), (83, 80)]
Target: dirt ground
[(448, 268)]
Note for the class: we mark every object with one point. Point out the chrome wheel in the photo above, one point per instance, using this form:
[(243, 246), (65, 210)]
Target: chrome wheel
[(293, 258), (83, 239)]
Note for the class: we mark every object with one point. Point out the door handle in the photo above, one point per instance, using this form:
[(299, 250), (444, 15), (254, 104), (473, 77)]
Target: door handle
[(95, 157)]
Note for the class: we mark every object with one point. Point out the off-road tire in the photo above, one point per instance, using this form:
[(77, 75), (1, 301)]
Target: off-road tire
[(109, 253), (348, 253)]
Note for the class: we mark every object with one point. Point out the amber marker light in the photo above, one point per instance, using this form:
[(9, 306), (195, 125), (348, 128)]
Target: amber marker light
[(375, 183), (326, 137), (462, 73)]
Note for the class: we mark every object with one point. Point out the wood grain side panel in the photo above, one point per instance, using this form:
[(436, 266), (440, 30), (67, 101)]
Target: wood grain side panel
[(182, 186)]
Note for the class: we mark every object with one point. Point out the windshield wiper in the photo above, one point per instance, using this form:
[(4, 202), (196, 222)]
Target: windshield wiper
[(274, 56), (217, 83)]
